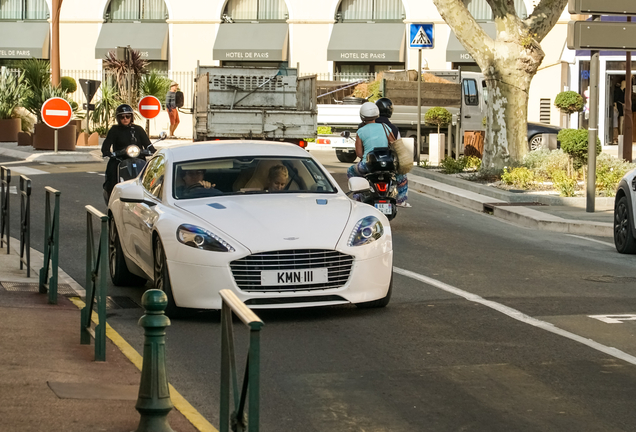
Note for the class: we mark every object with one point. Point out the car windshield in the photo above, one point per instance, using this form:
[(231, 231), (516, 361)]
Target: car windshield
[(248, 175)]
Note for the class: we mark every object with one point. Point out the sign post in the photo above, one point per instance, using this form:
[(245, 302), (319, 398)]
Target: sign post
[(421, 37), (596, 35), (56, 113)]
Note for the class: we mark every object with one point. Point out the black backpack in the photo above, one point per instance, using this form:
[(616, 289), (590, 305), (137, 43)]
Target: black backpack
[(179, 99)]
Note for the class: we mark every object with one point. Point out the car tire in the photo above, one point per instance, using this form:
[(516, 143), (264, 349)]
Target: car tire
[(162, 281), (623, 230), (119, 273), (379, 303), (345, 157), (535, 142)]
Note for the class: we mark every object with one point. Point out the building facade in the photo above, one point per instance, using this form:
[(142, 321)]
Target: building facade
[(331, 38)]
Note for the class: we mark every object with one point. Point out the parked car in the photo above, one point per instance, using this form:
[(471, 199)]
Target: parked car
[(306, 244), (535, 134), (624, 215)]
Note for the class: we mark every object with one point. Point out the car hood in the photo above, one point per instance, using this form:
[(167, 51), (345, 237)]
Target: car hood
[(276, 222)]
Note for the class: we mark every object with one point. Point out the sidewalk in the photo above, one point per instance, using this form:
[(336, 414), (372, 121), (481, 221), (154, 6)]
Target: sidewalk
[(544, 212), (81, 154), (49, 380)]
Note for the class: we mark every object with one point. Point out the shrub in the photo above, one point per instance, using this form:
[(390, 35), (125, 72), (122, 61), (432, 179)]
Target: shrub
[(609, 172), (520, 177), (452, 166), (438, 116), (544, 161), (472, 162), (68, 84), (574, 143), (569, 102), (12, 90), (155, 84), (565, 184)]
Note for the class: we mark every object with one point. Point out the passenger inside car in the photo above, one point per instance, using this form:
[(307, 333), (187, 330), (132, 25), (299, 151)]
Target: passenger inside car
[(277, 179)]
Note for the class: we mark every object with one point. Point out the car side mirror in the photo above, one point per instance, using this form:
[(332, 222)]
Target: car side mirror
[(346, 134), (358, 184), (163, 135), (133, 193)]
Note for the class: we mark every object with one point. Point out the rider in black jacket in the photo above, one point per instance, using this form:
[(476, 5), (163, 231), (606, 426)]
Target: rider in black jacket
[(120, 136)]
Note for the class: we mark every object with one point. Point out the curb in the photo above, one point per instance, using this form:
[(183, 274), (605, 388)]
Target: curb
[(523, 216), (511, 197), (51, 156)]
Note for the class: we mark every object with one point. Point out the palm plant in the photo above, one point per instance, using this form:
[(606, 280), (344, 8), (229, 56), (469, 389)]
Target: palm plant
[(155, 84), (104, 113), (121, 70), (12, 91), (37, 76)]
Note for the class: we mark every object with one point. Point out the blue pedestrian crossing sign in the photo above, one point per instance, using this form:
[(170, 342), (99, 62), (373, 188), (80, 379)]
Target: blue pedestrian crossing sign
[(421, 35)]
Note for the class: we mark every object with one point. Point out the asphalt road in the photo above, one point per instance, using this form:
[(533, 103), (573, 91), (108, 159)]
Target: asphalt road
[(495, 328)]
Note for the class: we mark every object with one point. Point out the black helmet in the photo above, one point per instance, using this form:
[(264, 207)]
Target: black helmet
[(385, 106), (124, 109)]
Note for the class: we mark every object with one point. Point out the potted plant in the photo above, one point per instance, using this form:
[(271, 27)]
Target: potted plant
[(437, 116), (12, 91), (569, 102), (43, 138)]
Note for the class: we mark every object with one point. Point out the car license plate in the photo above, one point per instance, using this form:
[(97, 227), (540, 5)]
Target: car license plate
[(386, 208), (294, 277)]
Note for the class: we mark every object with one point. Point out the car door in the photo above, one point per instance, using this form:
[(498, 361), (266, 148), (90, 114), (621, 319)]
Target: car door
[(472, 110), (140, 218)]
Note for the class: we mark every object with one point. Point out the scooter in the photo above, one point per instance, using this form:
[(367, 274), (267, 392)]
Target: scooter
[(131, 161), (382, 192)]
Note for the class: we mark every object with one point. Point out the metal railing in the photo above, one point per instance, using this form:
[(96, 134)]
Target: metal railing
[(25, 224), (251, 379), (5, 177), (96, 285), (343, 76), (51, 245)]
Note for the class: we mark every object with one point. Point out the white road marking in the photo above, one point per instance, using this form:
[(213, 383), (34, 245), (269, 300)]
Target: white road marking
[(592, 240), (150, 107), (614, 319), (519, 316), (91, 172), (58, 113), (28, 170), (13, 190)]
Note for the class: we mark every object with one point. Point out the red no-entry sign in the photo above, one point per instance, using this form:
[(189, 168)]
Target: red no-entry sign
[(56, 113), (149, 107)]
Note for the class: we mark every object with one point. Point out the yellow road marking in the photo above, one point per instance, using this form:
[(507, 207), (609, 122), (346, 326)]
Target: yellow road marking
[(179, 402)]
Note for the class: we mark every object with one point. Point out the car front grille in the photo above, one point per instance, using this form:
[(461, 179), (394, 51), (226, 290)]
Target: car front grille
[(247, 271)]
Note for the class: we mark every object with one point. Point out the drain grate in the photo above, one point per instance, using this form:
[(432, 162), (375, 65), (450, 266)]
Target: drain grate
[(62, 289), (610, 279), (123, 302)]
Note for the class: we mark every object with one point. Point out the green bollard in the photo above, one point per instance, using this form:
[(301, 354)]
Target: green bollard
[(154, 402)]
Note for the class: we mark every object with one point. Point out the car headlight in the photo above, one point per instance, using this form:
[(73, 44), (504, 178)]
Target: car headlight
[(133, 151), (366, 231), (197, 237)]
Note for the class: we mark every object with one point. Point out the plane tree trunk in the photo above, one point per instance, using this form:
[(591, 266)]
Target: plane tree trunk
[(508, 62)]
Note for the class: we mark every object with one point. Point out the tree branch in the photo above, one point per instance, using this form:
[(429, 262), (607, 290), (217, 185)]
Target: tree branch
[(468, 32), (543, 17)]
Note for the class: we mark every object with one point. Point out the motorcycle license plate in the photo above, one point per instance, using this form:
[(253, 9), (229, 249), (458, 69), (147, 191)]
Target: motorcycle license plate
[(386, 208)]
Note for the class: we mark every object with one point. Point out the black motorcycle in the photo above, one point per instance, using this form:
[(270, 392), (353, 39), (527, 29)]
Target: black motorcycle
[(382, 166), (131, 161)]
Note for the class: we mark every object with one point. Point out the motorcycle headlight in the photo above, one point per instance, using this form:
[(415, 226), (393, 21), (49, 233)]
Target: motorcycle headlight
[(366, 231), (133, 151), (197, 237)]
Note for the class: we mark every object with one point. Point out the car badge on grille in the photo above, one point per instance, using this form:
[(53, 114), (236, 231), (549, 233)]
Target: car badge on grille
[(291, 238)]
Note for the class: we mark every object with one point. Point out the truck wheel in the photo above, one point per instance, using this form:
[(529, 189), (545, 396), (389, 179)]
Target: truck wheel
[(345, 157)]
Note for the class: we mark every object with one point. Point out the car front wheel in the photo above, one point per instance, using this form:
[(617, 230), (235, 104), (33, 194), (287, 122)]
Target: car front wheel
[(535, 142), (623, 231), (119, 273), (162, 280)]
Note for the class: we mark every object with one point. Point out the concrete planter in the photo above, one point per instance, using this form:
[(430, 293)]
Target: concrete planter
[(9, 130), (44, 138)]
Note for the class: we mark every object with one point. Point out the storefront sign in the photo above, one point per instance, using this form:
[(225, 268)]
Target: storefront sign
[(363, 56), (15, 53), (247, 55)]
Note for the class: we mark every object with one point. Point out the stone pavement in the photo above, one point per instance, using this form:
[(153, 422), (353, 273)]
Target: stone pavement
[(49, 381), (81, 154)]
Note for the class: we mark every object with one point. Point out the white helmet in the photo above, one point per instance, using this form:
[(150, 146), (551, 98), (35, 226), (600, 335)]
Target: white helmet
[(369, 111)]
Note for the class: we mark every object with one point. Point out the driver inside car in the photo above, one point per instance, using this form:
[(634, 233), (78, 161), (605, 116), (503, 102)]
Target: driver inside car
[(194, 185)]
